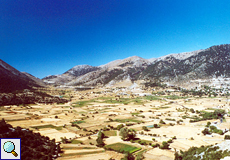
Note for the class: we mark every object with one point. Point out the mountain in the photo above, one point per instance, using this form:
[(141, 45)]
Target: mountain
[(174, 68), (12, 79), (19, 88), (203, 64), (90, 76)]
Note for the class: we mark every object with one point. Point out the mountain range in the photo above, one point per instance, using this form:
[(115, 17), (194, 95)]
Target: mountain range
[(174, 68), (179, 68)]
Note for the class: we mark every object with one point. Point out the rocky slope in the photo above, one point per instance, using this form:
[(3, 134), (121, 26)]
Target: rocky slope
[(174, 68)]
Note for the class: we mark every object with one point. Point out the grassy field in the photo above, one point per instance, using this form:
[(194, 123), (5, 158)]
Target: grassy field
[(48, 126), (158, 108), (127, 120), (82, 103), (110, 133), (122, 148), (82, 153), (78, 122), (76, 141)]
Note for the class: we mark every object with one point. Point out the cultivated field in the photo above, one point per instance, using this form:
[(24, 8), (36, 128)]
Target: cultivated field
[(155, 118)]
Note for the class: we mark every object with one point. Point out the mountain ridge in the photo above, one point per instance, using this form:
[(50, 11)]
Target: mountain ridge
[(204, 63)]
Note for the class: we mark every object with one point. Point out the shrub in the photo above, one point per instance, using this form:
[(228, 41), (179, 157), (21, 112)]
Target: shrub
[(206, 131), (208, 124), (162, 122), (156, 126), (170, 141), (155, 145), (192, 110), (164, 145), (227, 137), (145, 128)]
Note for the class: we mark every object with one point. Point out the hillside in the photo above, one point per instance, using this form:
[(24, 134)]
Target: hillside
[(20, 88), (13, 80), (33, 145)]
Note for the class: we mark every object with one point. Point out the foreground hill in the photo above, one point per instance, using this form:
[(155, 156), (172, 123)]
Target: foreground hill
[(13, 80), (183, 67), (33, 145), (18, 88)]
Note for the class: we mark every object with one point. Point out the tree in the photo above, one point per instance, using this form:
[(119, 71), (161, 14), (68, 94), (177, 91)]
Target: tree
[(127, 134), (162, 122), (120, 126), (100, 142), (206, 131), (145, 128), (164, 145), (128, 156)]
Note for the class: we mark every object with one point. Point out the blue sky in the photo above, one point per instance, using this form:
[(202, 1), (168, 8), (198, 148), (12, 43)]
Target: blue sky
[(49, 37)]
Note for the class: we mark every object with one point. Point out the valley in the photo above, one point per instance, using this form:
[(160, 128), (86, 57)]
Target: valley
[(153, 117)]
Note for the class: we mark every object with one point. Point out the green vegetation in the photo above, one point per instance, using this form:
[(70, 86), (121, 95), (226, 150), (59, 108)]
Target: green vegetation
[(227, 137), (170, 119), (122, 148), (174, 97), (136, 113), (127, 120), (110, 133), (142, 142), (127, 134), (151, 98), (162, 122), (139, 154), (202, 153), (158, 108), (165, 145), (213, 129), (145, 128), (82, 103), (33, 145), (48, 126), (203, 115), (100, 142), (76, 142), (78, 122), (80, 153), (136, 101)]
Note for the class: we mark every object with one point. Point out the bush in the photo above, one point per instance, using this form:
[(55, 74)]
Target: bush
[(164, 145), (227, 137), (170, 141), (120, 126), (155, 145), (192, 110), (145, 128), (162, 122), (206, 131), (156, 126), (208, 124)]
